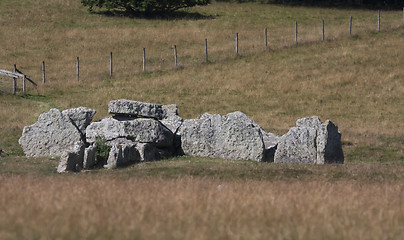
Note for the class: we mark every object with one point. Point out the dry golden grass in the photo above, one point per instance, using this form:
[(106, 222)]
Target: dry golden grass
[(85, 207)]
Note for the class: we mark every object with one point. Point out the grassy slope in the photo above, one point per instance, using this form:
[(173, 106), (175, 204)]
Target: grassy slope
[(356, 82)]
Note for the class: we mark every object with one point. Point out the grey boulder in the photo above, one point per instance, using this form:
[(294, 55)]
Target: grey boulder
[(143, 130), (51, 135), (232, 136), (311, 141)]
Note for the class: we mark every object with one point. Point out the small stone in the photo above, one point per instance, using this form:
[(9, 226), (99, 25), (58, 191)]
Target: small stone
[(72, 160), (89, 160)]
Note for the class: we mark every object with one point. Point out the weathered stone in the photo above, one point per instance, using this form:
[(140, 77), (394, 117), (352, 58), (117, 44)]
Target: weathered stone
[(89, 157), (171, 119), (142, 130), (135, 108), (72, 159), (51, 135), (121, 155), (297, 146), (233, 136), (329, 146), (81, 117), (311, 142)]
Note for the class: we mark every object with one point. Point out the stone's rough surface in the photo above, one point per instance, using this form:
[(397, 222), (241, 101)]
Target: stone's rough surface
[(89, 157), (51, 135), (81, 117), (122, 155), (311, 122), (311, 142), (232, 136), (171, 119), (72, 160), (297, 146), (135, 108), (142, 130)]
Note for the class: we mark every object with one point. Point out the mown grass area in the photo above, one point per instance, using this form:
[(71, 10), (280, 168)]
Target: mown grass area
[(356, 81)]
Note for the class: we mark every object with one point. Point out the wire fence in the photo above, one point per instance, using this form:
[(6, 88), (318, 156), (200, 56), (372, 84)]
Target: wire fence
[(245, 43)]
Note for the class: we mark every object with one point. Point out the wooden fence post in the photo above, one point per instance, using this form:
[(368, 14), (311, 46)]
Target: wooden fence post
[(43, 72), (266, 38), (296, 32), (15, 81), (144, 59), (323, 38), (23, 84), (350, 25), (206, 50), (236, 44), (78, 69), (378, 20), (175, 55), (110, 64)]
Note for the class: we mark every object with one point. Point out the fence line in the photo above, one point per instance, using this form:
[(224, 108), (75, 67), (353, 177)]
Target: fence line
[(266, 45)]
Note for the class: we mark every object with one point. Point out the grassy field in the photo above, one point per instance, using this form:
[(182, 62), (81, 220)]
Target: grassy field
[(357, 82)]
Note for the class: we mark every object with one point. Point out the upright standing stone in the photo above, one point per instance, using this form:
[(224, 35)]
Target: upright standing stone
[(311, 141), (72, 160), (122, 155), (89, 157)]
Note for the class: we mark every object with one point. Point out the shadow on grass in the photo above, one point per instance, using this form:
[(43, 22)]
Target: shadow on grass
[(341, 4), (170, 16)]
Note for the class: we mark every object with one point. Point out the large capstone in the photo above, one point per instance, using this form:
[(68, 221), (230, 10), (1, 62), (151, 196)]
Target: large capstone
[(311, 141), (134, 108), (142, 130), (232, 136), (51, 135), (81, 117)]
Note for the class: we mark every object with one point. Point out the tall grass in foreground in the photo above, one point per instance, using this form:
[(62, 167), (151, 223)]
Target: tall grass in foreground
[(186, 208)]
